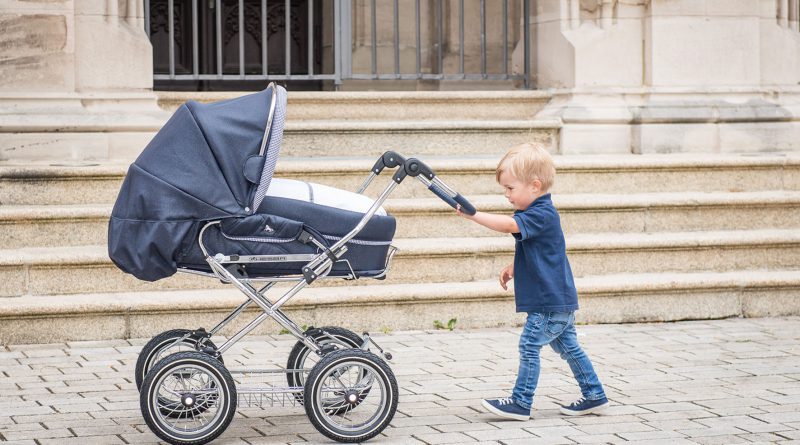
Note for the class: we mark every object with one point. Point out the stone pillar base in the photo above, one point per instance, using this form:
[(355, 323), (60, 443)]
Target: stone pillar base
[(77, 127), (676, 120)]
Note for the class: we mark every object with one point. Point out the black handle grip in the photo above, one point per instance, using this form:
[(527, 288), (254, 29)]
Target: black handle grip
[(466, 206)]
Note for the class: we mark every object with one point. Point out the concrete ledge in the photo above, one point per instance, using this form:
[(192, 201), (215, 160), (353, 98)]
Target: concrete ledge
[(604, 299), (40, 183), (86, 224), (344, 138), (374, 105), (82, 269), (657, 120)]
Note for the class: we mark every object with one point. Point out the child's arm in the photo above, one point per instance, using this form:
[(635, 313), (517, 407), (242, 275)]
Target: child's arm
[(498, 223)]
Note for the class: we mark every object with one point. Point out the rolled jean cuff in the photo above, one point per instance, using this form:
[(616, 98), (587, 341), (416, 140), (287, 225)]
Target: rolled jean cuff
[(522, 404), (595, 396)]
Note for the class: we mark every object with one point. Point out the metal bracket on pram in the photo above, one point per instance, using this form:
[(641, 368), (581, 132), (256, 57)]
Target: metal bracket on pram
[(417, 169)]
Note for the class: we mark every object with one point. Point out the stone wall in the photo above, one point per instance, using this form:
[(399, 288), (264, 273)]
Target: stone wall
[(76, 80), (687, 75)]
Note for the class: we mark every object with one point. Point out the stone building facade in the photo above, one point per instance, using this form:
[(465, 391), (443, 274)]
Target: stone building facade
[(625, 76)]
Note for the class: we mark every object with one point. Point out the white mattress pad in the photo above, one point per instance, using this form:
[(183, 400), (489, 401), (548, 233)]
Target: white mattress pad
[(321, 194)]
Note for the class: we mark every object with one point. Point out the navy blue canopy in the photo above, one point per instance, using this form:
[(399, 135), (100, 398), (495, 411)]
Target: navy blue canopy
[(209, 161)]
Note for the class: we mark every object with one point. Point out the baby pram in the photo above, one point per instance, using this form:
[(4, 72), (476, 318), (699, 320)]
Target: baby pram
[(197, 200)]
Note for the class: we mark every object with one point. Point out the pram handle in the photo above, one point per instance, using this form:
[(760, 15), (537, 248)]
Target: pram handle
[(454, 201), (415, 168)]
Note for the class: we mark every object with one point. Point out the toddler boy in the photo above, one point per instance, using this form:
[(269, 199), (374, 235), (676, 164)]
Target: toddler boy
[(543, 282)]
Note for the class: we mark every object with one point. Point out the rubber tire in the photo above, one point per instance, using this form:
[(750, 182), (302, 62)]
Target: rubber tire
[(211, 365), (144, 362), (299, 353), (332, 360)]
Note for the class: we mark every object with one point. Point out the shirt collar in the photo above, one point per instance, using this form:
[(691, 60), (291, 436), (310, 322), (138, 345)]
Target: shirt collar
[(544, 199)]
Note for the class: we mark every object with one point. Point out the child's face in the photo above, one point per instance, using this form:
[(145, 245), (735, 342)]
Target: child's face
[(519, 194)]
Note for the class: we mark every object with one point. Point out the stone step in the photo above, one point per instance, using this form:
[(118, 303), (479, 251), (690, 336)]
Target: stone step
[(603, 299), (322, 138), (389, 105), (87, 140), (619, 213), (87, 269), (319, 123), (471, 175), (86, 224)]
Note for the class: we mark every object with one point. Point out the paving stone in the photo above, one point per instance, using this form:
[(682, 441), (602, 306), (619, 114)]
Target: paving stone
[(554, 431), (763, 438), (503, 434), (719, 440), (105, 430), (720, 381), (650, 435), (539, 440), (723, 430), (465, 427), (443, 438), (614, 428), (662, 442), (410, 431), (794, 433), (27, 410), (39, 434), (94, 440)]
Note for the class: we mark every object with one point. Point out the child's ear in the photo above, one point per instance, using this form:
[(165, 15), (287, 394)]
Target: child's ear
[(537, 185)]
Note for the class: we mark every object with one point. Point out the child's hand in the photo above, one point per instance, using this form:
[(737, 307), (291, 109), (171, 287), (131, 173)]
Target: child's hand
[(460, 213), (506, 275)]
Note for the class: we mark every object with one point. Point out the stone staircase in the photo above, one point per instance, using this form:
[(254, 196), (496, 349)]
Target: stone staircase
[(652, 237)]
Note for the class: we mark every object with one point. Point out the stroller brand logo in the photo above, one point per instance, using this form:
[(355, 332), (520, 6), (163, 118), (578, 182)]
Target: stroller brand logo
[(268, 229)]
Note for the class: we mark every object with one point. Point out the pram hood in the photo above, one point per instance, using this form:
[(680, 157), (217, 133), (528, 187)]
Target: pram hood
[(208, 162)]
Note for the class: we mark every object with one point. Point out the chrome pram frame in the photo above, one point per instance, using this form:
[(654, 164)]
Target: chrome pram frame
[(319, 265), (318, 341)]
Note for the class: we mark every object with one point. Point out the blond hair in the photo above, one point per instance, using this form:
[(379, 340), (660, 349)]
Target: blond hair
[(529, 162)]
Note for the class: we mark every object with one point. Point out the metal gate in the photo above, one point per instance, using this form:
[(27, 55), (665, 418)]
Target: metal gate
[(242, 44)]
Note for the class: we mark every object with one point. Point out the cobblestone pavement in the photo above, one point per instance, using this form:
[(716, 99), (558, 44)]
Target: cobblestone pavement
[(708, 382)]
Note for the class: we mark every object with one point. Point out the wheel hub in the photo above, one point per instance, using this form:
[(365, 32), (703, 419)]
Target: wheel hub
[(351, 397), (188, 400)]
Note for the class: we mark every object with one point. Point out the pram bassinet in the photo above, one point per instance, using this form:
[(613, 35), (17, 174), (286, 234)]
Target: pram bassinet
[(214, 162)]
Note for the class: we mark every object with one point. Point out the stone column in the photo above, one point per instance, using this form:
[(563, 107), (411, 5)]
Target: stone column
[(660, 76), (76, 81)]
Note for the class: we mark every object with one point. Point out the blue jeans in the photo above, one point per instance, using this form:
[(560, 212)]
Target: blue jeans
[(558, 330)]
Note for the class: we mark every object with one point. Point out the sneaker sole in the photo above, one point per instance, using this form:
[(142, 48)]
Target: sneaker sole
[(594, 410), (503, 414)]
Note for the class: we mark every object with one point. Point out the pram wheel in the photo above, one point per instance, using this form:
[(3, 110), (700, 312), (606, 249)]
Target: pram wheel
[(163, 345), (362, 389), (300, 357), (173, 389)]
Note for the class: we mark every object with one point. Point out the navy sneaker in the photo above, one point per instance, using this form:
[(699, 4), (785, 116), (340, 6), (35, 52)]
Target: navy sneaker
[(507, 408), (582, 406)]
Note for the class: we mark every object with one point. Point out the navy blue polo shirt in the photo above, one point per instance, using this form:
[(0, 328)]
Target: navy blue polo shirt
[(542, 277)]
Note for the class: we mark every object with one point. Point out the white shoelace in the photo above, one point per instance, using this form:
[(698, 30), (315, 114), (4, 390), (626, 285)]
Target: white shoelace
[(578, 402), (505, 401)]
